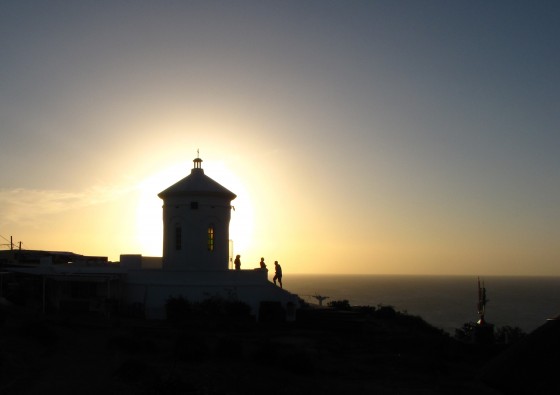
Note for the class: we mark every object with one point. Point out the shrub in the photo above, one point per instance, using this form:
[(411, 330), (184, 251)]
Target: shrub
[(177, 309), (237, 309), (131, 344), (214, 306), (230, 347), (368, 310), (385, 312), (219, 307), (299, 362), (40, 332), (136, 371), (465, 333), (340, 304), (191, 349), (509, 334), (123, 343), (266, 353), (271, 312)]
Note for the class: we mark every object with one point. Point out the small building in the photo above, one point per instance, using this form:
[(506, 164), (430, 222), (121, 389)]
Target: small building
[(30, 258), (61, 281)]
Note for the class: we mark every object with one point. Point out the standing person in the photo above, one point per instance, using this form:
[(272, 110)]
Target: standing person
[(237, 262), (263, 265), (277, 273)]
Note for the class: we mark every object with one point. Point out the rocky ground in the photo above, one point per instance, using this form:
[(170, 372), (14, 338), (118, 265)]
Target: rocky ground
[(324, 352)]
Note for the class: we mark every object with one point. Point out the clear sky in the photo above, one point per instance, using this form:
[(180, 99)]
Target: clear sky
[(413, 137)]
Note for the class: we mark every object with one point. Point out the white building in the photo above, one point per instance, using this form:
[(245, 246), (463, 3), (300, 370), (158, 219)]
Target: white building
[(194, 266), (196, 216)]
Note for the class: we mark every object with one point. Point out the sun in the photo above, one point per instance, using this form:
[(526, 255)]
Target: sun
[(149, 225)]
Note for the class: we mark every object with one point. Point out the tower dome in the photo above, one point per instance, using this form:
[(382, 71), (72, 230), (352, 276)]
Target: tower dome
[(196, 184)]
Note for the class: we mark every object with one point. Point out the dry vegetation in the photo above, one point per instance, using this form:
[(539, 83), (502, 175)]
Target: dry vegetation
[(326, 351)]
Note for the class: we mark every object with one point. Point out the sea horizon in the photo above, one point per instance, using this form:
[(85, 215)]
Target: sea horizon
[(444, 301)]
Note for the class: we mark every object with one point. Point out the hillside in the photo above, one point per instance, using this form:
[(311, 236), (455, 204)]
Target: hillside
[(325, 351)]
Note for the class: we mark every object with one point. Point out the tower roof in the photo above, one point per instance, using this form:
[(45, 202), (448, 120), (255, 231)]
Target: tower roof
[(197, 183)]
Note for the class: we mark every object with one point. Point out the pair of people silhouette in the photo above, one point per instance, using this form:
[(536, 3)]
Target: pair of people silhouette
[(277, 271)]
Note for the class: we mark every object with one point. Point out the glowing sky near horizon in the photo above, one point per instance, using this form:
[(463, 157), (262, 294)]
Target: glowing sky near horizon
[(413, 137)]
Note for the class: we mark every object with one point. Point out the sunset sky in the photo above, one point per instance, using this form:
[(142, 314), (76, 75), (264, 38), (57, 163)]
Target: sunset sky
[(401, 137)]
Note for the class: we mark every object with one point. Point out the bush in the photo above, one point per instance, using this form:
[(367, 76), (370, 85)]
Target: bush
[(465, 333), (385, 312), (219, 307), (136, 371), (230, 347), (299, 362), (40, 332), (237, 309), (509, 334), (340, 305), (271, 312), (177, 309), (191, 349), (131, 344), (368, 310)]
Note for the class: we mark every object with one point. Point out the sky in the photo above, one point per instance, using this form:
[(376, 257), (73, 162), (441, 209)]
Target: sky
[(361, 137)]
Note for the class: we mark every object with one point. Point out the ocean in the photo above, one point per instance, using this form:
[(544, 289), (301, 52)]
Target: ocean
[(446, 302)]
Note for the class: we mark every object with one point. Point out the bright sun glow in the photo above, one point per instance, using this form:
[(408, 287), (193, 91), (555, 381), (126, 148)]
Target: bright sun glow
[(149, 225)]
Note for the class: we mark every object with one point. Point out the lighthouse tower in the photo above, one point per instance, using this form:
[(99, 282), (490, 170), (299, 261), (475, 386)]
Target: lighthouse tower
[(196, 216), (194, 266)]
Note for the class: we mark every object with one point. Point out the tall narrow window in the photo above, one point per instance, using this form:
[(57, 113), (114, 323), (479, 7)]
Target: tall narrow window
[(211, 237), (178, 238)]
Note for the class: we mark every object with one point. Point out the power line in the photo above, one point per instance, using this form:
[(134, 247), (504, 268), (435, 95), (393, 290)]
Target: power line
[(11, 244)]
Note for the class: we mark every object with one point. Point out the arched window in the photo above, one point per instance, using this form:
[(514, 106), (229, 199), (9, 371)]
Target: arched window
[(178, 238), (211, 237)]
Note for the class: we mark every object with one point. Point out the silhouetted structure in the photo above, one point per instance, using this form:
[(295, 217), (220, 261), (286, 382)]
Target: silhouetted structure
[(481, 305), (320, 298), (34, 257), (483, 332)]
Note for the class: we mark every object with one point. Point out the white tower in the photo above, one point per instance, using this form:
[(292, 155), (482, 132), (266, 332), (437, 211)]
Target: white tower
[(196, 215)]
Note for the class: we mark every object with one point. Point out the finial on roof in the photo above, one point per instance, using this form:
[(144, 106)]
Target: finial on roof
[(197, 161)]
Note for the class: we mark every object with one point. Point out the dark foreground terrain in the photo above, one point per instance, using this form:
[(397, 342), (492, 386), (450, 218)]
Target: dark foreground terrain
[(324, 352)]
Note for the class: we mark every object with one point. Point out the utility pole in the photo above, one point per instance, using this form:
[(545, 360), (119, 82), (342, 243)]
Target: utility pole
[(11, 243)]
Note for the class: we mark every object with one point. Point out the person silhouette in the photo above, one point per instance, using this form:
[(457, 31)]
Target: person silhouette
[(277, 273), (237, 262), (263, 265)]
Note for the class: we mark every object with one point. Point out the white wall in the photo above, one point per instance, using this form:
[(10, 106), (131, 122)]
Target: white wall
[(194, 223), (153, 288)]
